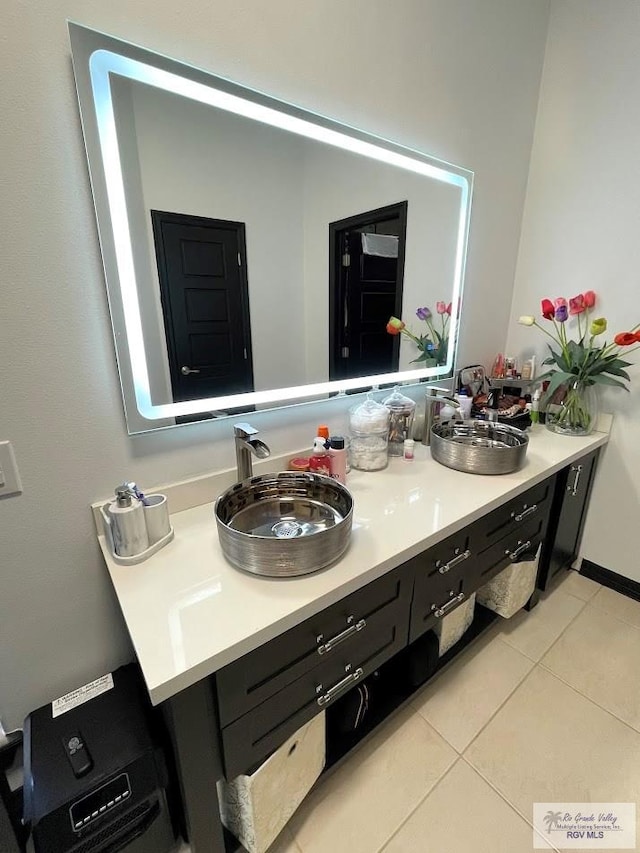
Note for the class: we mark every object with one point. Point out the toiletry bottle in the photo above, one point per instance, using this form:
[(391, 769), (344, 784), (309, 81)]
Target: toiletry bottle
[(465, 402), (338, 455), (323, 432), (497, 371), (128, 524), (535, 406), (320, 461), (409, 449)]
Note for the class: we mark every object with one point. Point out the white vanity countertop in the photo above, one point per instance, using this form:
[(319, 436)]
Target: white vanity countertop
[(189, 612)]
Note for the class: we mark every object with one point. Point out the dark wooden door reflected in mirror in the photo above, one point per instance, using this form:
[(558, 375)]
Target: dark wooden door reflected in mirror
[(366, 274), (205, 304)]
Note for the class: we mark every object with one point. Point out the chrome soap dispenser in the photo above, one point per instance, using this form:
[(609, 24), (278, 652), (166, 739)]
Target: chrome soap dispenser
[(128, 524)]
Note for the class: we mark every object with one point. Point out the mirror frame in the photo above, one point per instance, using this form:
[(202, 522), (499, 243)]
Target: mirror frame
[(96, 56)]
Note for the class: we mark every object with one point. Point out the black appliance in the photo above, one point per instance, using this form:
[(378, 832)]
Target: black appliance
[(95, 772)]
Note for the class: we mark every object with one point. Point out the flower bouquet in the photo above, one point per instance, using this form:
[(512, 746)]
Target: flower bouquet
[(434, 344), (580, 364)]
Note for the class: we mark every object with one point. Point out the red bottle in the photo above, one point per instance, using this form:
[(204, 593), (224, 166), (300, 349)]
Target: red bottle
[(320, 461)]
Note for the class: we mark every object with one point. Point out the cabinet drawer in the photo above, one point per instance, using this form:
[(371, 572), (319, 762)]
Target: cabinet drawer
[(253, 737), (516, 544), (513, 515), (254, 678), (439, 576)]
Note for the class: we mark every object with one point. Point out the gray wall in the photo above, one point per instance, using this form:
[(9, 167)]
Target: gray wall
[(456, 78)]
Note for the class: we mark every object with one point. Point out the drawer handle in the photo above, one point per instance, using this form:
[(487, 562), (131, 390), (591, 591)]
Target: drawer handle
[(342, 636), (574, 489), (338, 688), (525, 512), (440, 611), (519, 551), (454, 562)]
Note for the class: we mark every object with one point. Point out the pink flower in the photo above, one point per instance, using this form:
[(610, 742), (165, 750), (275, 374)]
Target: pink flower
[(560, 302), (589, 299), (576, 305), (448, 309), (441, 307)]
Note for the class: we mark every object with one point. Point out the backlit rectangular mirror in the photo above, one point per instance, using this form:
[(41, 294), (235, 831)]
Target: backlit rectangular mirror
[(254, 251)]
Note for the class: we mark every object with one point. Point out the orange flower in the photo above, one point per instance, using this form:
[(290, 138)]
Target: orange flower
[(625, 339), (395, 326)]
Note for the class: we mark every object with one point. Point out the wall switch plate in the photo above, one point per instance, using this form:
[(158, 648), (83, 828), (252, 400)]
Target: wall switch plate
[(9, 476)]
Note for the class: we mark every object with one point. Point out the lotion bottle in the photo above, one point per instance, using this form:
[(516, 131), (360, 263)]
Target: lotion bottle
[(128, 524), (338, 455)]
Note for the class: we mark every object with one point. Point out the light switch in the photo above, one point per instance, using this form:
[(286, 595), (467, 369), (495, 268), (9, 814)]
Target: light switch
[(9, 477)]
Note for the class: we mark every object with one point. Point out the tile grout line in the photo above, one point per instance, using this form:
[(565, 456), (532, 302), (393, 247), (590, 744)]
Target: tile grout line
[(426, 796), (570, 622), (518, 685), (613, 616), (485, 724), (511, 805), (589, 698), (531, 671)]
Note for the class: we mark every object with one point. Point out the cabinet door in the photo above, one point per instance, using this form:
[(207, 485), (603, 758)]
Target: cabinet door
[(570, 508)]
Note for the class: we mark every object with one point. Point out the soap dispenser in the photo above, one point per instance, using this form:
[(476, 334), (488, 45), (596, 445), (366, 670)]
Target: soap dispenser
[(128, 523)]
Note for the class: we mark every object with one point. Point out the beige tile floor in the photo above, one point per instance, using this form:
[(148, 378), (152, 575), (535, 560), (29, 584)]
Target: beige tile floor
[(544, 708)]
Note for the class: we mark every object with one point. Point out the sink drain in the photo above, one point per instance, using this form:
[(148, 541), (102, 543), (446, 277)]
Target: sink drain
[(286, 529)]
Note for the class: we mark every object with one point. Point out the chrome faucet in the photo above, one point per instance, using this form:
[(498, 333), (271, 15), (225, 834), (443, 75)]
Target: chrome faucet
[(246, 446), (435, 396)]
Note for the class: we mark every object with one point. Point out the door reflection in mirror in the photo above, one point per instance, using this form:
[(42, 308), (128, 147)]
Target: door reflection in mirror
[(366, 277), (202, 270)]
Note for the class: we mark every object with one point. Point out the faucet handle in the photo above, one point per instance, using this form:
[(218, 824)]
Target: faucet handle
[(244, 430)]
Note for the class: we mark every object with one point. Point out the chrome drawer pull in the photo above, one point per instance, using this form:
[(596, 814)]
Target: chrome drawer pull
[(454, 562), (525, 512), (513, 555), (340, 686), (574, 489), (342, 636), (440, 611)]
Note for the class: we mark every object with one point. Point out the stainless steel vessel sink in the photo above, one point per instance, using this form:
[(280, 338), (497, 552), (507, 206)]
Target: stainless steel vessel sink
[(479, 447), (285, 524)]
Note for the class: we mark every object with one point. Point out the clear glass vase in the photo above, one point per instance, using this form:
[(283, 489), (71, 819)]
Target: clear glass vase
[(576, 410)]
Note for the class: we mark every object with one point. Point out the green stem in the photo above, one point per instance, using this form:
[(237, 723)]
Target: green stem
[(559, 340)]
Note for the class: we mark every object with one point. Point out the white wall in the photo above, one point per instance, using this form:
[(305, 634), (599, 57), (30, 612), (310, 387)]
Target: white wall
[(457, 78), (581, 227)]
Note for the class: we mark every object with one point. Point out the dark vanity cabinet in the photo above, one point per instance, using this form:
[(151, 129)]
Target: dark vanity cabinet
[(568, 516), (265, 696), (375, 633)]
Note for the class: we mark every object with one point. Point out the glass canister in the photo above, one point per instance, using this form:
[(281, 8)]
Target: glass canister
[(369, 428), (401, 411)]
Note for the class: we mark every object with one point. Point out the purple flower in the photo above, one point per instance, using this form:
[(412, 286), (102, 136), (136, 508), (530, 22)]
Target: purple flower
[(562, 312), (423, 314)]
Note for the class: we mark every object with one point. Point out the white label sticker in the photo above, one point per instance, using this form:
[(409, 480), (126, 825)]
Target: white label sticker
[(584, 826), (81, 695)]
